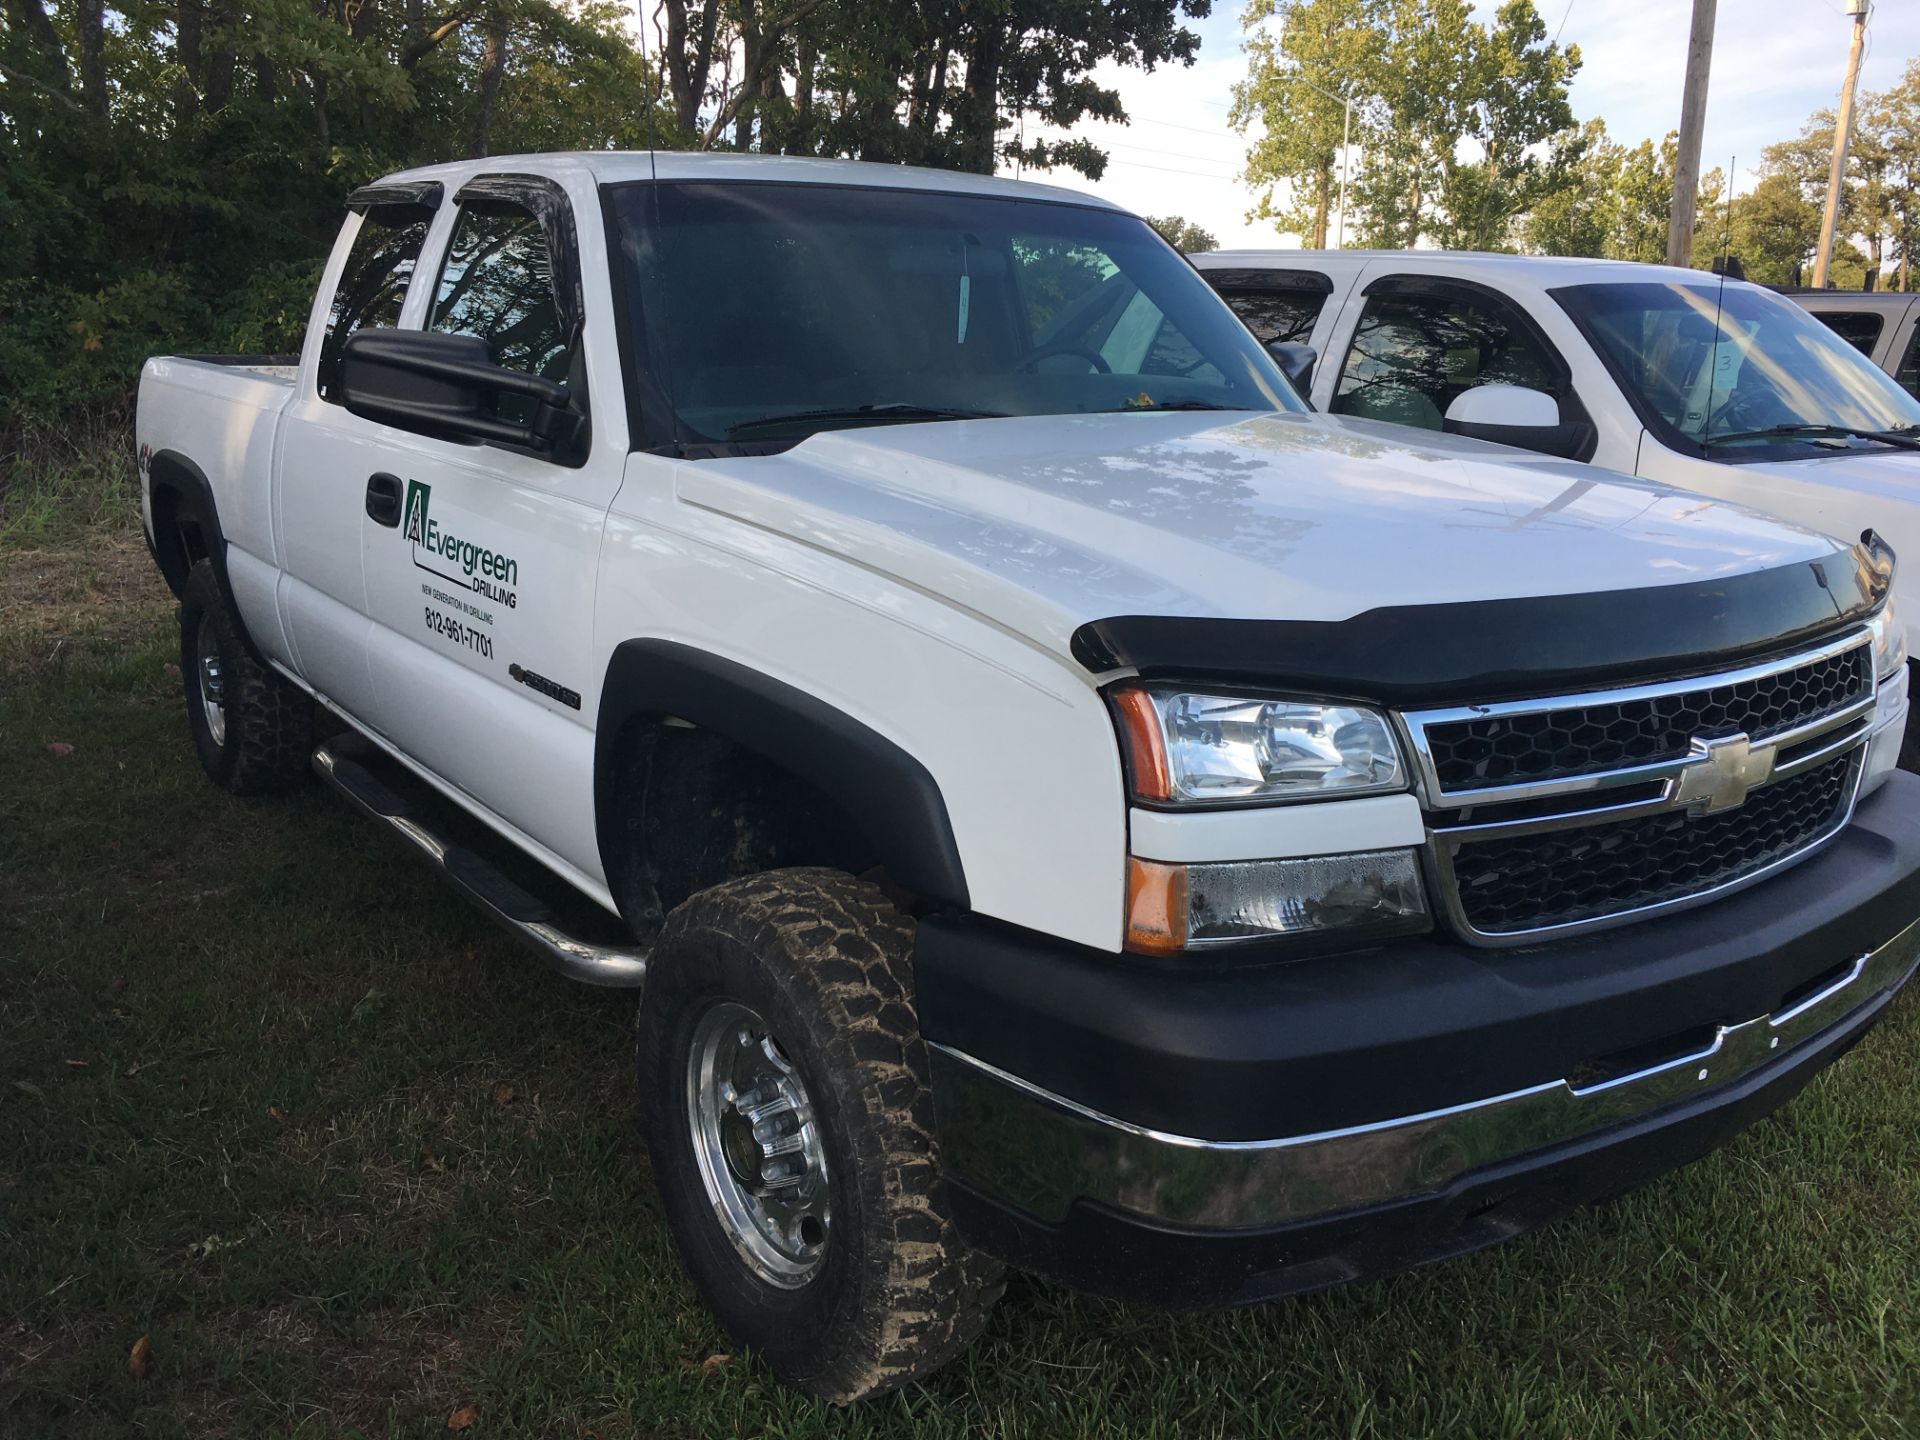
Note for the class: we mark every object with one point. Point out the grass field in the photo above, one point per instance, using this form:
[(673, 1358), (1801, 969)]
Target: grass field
[(274, 1101)]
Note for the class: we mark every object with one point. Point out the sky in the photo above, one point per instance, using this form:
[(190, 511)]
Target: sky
[(1774, 63)]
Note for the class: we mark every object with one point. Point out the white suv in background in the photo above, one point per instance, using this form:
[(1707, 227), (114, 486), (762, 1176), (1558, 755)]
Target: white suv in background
[(1669, 374)]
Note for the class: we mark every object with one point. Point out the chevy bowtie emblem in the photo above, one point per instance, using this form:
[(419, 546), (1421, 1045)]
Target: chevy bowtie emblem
[(1721, 772)]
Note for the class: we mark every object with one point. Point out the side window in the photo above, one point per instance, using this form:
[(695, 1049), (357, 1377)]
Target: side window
[(497, 283), (373, 286), (1276, 313), (1860, 331), (1909, 372), (1413, 355)]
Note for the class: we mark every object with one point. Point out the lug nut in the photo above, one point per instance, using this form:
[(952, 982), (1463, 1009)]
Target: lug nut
[(775, 1126), (783, 1173), (748, 1101)]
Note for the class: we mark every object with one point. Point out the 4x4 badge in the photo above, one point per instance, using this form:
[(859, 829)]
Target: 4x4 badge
[(1721, 772)]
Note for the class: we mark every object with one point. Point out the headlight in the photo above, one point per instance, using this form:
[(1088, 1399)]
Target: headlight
[(1889, 641), (1186, 747)]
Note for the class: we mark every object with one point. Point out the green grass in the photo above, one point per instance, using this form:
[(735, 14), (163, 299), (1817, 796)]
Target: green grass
[(60, 487), (250, 1061)]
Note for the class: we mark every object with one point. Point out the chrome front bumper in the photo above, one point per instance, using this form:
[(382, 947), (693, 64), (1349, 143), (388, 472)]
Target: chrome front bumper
[(1041, 1153)]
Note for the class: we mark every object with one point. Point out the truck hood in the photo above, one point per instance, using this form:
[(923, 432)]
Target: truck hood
[(1889, 475), (1044, 523)]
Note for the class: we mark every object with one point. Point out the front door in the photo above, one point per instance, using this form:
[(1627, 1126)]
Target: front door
[(481, 561)]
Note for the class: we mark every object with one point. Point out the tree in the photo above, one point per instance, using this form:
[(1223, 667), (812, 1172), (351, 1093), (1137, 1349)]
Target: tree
[(1774, 229), (1712, 221), (1643, 202), (1425, 112), (1512, 100), (1573, 214), (934, 82), (1183, 234), (1296, 83), (1890, 127), (1452, 116), (172, 171)]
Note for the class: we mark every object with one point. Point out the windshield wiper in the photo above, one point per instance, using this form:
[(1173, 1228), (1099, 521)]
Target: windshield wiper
[(877, 414), (1173, 405), (1904, 439)]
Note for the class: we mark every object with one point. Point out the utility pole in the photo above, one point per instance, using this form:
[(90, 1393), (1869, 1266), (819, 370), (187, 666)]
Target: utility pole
[(1693, 123), (1842, 137), (1346, 139)]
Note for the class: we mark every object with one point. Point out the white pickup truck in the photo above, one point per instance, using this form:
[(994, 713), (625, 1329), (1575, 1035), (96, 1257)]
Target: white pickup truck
[(1668, 374), (1069, 805)]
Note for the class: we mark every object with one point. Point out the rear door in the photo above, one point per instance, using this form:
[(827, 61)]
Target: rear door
[(1274, 304), (481, 586), (1297, 303), (1861, 328), (325, 454), (1903, 362)]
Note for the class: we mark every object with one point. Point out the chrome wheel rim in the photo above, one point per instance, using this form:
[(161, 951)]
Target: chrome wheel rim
[(213, 685), (758, 1146)]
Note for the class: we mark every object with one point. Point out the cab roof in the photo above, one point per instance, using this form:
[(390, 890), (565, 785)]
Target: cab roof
[(617, 167), (1498, 270)]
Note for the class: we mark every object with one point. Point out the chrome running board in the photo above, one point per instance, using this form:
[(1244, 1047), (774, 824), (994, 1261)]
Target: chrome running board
[(526, 916)]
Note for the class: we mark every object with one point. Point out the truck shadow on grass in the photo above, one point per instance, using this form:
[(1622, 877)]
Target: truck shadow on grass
[(280, 1104)]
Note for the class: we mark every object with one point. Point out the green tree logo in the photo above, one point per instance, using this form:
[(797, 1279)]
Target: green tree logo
[(415, 528)]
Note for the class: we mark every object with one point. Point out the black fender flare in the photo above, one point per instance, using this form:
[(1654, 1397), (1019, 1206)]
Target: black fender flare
[(887, 792), (193, 500)]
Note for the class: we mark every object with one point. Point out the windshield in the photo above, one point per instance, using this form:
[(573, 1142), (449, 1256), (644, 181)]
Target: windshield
[(1736, 372), (770, 311)]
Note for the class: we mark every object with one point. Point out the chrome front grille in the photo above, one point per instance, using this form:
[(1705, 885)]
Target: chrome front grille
[(1503, 749), (1568, 876), (1550, 816)]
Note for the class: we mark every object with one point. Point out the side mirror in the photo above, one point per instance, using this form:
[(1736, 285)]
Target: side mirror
[(450, 387), (1514, 415), (1295, 361)]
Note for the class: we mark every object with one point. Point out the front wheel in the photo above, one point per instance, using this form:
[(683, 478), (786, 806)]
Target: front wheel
[(252, 728), (784, 1099)]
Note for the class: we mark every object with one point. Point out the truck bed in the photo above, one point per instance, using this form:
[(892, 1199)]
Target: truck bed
[(281, 367), (211, 421)]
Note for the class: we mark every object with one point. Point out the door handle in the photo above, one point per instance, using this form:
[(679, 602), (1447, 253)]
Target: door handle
[(383, 499)]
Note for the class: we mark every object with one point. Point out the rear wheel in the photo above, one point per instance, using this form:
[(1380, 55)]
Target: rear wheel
[(252, 728), (784, 1099)]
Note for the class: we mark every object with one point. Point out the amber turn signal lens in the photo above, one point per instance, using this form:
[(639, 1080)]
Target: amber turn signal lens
[(1146, 745), (1156, 907)]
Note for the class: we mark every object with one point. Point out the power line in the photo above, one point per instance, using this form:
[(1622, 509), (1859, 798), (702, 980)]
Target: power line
[(1170, 125), (1170, 154), (1164, 169), (1101, 139), (1563, 21)]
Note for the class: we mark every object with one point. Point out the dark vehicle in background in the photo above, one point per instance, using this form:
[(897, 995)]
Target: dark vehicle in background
[(1883, 326)]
